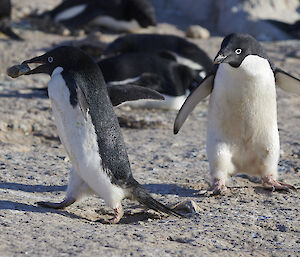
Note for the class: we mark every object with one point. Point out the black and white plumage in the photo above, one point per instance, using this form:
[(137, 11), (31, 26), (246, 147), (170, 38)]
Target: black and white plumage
[(5, 20), (173, 80), (183, 51), (89, 130), (242, 132), (115, 14)]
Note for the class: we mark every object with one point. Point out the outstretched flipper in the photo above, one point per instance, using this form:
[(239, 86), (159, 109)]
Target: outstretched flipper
[(287, 82), (122, 93), (202, 91)]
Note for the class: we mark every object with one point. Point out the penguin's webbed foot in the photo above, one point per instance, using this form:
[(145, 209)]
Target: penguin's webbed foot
[(218, 188), (118, 215), (65, 203), (272, 184)]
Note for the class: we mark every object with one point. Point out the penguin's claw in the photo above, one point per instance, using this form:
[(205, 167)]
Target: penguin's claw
[(218, 188), (118, 215), (272, 184)]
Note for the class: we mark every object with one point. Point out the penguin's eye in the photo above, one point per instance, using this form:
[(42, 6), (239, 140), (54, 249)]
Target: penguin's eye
[(238, 50), (50, 59)]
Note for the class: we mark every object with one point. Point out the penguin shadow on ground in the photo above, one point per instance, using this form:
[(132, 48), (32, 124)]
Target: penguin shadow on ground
[(133, 213), (17, 206), (170, 189), (33, 93), (31, 188), (257, 187)]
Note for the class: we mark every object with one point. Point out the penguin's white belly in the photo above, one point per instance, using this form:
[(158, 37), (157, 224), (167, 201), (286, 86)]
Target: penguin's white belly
[(242, 119), (70, 13), (170, 102), (114, 24), (80, 141)]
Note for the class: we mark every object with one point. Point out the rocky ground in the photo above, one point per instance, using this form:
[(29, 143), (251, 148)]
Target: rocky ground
[(248, 221)]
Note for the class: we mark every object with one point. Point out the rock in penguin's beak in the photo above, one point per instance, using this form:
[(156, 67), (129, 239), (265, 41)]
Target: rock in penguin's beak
[(220, 58), (43, 68)]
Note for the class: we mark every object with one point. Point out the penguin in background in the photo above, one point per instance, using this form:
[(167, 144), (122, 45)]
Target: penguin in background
[(119, 15), (242, 132), (5, 20), (89, 130), (183, 51), (151, 70), (291, 29)]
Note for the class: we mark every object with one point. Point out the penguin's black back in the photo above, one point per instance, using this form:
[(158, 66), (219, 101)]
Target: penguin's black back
[(86, 75), (174, 77), (5, 9), (156, 42)]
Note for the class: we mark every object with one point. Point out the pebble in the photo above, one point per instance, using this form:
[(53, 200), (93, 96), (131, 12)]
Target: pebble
[(196, 31)]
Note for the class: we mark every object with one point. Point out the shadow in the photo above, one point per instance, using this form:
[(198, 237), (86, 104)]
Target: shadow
[(31, 188), (9, 205), (170, 189), (252, 179), (143, 214), (37, 93), (263, 191)]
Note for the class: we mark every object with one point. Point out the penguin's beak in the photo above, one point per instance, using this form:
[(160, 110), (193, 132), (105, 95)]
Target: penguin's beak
[(44, 68), (220, 58)]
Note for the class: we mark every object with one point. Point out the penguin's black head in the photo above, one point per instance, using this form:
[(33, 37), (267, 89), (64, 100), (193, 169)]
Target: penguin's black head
[(67, 57), (235, 47), (142, 11)]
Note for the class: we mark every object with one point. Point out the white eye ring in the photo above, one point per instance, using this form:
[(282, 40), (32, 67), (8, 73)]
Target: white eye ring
[(50, 59), (238, 50)]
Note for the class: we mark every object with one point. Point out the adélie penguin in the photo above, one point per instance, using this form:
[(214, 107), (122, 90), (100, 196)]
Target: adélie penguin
[(242, 132), (115, 14), (183, 51), (173, 80), (89, 130)]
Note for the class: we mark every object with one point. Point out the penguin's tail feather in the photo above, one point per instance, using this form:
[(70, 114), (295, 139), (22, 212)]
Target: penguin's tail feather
[(140, 194)]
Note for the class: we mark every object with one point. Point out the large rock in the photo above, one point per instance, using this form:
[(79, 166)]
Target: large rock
[(227, 16)]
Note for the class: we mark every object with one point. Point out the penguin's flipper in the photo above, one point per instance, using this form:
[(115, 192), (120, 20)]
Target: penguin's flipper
[(287, 82), (122, 93), (202, 91)]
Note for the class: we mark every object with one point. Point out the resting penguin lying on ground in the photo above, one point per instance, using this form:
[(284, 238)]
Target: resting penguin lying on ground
[(173, 80), (5, 20), (115, 14), (182, 50), (291, 29), (242, 132), (89, 129)]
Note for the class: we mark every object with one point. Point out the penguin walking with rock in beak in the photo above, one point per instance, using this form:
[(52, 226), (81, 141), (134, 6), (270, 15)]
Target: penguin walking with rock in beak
[(82, 105), (242, 131)]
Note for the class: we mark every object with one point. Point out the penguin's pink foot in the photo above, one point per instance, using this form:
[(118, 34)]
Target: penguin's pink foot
[(272, 184), (118, 215), (218, 188)]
